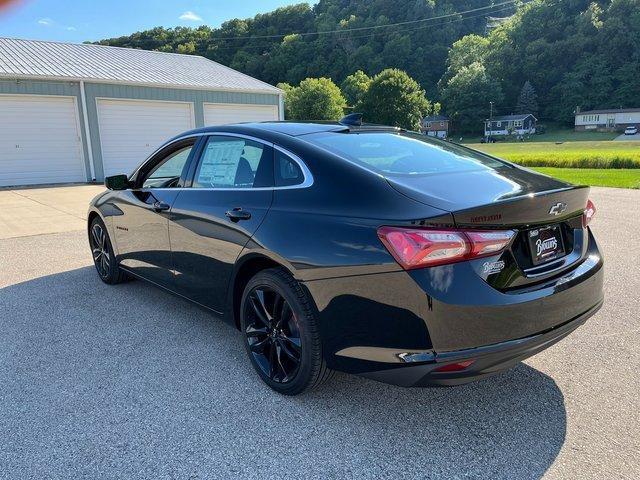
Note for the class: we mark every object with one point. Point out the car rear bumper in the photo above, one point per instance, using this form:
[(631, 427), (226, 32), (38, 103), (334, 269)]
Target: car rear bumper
[(399, 327), (487, 360)]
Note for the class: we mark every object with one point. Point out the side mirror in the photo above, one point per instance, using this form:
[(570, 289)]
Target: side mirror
[(117, 182)]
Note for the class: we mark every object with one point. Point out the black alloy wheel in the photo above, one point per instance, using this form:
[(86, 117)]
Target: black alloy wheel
[(102, 252), (281, 334), (273, 334)]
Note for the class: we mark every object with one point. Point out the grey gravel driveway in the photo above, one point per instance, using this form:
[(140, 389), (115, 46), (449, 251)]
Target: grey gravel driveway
[(130, 382)]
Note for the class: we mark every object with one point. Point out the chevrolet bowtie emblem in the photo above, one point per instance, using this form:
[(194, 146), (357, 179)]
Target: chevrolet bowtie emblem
[(558, 208)]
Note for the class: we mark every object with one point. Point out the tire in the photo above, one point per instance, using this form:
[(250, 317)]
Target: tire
[(102, 252), (272, 349)]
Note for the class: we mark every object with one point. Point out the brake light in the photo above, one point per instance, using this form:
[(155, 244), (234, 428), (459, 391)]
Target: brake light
[(588, 214), (418, 248)]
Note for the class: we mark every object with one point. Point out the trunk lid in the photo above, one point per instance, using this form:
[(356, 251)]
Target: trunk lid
[(495, 197), (544, 213)]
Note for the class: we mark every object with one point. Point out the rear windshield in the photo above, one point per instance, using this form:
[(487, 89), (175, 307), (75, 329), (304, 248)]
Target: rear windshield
[(392, 153)]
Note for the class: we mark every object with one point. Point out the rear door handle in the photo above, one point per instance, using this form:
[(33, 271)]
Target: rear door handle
[(161, 206), (237, 214)]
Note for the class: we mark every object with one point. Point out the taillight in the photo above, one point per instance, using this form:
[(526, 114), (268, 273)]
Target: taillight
[(418, 248), (588, 214)]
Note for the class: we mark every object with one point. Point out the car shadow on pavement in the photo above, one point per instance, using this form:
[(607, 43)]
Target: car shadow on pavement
[(129, 381)]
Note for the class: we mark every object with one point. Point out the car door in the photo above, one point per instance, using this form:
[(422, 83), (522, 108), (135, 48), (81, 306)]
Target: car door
[(214, 218), (141, 224)]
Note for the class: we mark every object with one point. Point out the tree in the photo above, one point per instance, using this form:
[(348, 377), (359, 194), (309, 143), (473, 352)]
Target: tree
[(467, 95), (354, 87), (469, 49), (394, 98), (528, 100), (314, 99)]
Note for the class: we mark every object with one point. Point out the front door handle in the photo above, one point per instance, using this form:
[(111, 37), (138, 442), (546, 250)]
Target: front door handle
[(161, 206), (237, 214)]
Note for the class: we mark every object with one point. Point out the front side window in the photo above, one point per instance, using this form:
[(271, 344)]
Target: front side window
[(167, 173), (234, 162)]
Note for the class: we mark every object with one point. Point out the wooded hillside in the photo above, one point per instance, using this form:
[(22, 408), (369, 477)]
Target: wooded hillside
[(574, 53)]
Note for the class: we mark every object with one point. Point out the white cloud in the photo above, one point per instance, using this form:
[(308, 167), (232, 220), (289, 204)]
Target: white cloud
[(71, 29), (45, 21), (189, 15)]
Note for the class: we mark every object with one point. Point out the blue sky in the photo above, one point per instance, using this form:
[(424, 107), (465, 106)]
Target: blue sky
[(77, 21)]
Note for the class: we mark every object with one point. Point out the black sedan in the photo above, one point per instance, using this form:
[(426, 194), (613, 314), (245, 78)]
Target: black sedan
[(364, 249)]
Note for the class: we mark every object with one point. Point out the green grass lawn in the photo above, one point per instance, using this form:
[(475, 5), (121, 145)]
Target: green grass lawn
[(597, 163), (573, 136), (622, 178), (600, 154)]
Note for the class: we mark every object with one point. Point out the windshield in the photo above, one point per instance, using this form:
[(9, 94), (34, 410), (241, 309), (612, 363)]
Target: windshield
[(395, 153)]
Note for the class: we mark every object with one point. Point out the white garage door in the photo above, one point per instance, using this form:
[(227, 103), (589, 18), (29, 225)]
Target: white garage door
[(130, 130), (39, 140), (221, 113)]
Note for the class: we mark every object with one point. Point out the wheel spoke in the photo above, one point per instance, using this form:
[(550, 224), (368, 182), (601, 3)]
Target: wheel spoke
[(278, 305), (272, 362), (280, 366), (295, 342), (252, 331), (292, 339), (96, 253), (259, 347), (290, 351), (96, 235), (287, 314), (258, 304)]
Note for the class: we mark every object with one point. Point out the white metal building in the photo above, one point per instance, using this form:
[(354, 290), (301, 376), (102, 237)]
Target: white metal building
[(608, 120), (79, 112)]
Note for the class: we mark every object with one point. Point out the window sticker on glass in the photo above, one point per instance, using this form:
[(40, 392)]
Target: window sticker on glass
[(220, 162)]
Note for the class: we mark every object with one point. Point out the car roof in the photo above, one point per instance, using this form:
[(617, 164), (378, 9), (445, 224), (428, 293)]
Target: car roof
[(293, 128)]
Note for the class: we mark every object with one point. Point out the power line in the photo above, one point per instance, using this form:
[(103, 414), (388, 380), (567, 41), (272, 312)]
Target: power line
[(355, 29), (435, 24), (409, 30)]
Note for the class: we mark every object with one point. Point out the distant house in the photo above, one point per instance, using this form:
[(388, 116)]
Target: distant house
[(607, 120), (435, 126), (523, 124)]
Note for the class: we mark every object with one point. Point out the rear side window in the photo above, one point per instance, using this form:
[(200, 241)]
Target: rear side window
[(233, 162), (287, 171), (393, 153)]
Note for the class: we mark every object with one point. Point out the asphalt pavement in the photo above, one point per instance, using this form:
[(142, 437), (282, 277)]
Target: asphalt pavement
[(127, 381)]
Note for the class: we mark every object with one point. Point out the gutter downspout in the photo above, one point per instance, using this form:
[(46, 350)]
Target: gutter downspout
[(87, 134), (280, 106)]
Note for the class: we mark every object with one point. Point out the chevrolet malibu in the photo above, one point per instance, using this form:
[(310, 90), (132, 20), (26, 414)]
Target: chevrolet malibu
[(364, 249)]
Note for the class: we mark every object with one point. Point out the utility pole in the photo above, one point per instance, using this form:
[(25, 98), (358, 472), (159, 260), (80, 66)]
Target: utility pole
[(490, 120)]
